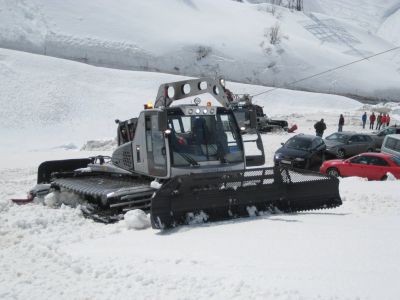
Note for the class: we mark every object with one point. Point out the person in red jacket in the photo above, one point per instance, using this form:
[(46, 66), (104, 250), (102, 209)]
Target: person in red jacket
[(383, 121), (387, 120), (372, 119)]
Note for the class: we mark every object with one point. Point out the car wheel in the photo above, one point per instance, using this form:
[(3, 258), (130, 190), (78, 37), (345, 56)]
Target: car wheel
[(384, 177), (333, 172), (341, 153)]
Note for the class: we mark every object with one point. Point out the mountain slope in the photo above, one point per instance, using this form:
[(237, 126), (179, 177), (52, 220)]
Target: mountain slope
[(204, 37)]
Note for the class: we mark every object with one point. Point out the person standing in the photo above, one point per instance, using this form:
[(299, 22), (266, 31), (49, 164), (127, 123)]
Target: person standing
[(364, 119), (383, 121), (378, 122), (372, 119), (387, 120), (341, 123), (320, 127)]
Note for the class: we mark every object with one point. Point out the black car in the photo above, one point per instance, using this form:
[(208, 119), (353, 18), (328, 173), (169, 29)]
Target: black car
[(301, 151), (345, 144)]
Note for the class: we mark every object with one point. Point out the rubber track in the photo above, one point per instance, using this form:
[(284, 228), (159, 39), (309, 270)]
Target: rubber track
[(110, 196)]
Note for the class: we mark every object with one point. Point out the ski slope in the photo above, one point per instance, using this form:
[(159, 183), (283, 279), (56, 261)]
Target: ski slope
[(206, 37), (49, 104)]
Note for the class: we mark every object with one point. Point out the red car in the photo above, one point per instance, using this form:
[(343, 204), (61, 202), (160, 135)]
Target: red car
[(373, 166)]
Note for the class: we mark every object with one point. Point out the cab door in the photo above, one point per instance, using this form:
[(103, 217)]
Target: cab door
[(155, 144), (253, 149)]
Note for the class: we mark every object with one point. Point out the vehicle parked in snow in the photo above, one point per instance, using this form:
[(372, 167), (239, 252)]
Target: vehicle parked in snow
[(345, 144), (301, 151), (373, 166), (252, 116), (391, 145), (379, 136)]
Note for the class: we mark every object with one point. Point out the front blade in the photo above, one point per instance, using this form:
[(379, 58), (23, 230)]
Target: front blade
[(233, 194)]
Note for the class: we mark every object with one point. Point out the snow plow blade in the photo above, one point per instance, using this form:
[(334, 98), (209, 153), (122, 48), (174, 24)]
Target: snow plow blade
[(46, 168), (219, 196)]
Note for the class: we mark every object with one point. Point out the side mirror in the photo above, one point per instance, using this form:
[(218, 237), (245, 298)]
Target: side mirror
[(282, 144)]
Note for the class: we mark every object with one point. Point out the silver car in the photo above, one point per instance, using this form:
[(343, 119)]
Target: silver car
[(344, 144)]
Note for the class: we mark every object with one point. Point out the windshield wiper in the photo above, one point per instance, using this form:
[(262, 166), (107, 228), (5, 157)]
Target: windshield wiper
[(189, 159)]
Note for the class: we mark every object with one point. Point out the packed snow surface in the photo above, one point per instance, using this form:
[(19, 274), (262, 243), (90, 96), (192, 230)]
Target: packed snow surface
[(136, 219), (350, 252)]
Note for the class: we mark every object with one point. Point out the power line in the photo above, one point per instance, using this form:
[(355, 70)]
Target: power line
[(329, 70)]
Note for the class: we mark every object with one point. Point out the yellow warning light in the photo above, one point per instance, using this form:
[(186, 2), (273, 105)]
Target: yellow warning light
[(208, 103), (149, 105)]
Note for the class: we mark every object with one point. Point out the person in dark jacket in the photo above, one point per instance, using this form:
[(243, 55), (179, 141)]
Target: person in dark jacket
[(364, 119), (320, 127), (341, 123), (372, 119), (378, 122)]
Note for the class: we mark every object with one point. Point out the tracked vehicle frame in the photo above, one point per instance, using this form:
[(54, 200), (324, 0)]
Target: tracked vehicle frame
[(181, 161)]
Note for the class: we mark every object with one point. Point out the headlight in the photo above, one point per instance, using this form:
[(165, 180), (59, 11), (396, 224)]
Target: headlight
[(299, 159), (277, 156)]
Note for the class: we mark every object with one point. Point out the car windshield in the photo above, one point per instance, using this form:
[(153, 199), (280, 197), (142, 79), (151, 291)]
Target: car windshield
[(298, 143), (207, 138), (396, 160), (337, 137)]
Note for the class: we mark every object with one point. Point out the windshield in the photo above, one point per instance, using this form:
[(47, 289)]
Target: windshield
[(298, 143), (337, 137), (396, 160), (196, 139)]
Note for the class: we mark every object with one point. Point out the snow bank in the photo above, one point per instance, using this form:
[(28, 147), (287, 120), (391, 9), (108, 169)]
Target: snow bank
[(47, 102), (98, 145), (389, 29), (136, 219), (205, 37)]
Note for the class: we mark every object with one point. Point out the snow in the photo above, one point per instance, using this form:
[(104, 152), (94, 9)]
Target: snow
[(136, 219), (206, 37), (350, 252), (155, 184)]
